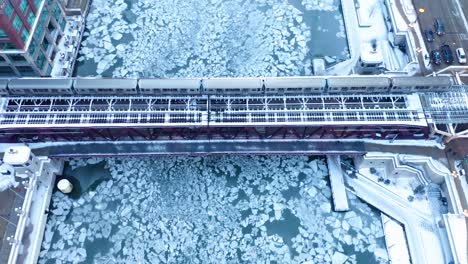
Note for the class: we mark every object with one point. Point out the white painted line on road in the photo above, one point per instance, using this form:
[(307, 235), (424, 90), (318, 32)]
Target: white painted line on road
[(460, 10)]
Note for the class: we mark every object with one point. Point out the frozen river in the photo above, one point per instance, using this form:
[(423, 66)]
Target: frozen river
[(210, 38), (226, 209)]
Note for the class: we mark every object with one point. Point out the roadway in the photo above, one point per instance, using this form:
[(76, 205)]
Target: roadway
[(456, 29), (414, 33)]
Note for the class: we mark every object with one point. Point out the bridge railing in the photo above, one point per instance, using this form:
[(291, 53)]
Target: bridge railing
[(196, 111), (447, 108)]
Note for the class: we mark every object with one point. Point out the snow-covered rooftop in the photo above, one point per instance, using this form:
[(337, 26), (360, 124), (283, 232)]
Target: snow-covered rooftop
[(17, 155), (371, 54)]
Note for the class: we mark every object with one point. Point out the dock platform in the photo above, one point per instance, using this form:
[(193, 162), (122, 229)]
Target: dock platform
[(340, 199)]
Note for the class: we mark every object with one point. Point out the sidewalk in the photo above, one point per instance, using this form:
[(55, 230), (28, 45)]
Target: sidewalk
[(415, 35), (8, 219)]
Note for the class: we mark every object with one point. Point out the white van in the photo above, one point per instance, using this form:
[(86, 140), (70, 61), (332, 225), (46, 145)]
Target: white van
[(461, 55)]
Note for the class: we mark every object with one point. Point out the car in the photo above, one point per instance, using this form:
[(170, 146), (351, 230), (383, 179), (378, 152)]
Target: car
[(436, 58), (461, 55), (439, 26), (447, 54), (429, 34)]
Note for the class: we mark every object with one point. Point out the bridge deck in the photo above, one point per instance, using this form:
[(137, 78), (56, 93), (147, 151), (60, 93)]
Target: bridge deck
[(447, 108), (210, 111)]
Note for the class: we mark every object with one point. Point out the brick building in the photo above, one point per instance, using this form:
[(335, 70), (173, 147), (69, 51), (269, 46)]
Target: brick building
[(30, 31)]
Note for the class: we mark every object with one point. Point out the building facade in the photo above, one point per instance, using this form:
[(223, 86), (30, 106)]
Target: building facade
[(76, 7), (30, 31)]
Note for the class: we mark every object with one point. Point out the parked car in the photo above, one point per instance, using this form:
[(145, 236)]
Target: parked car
[(436, 58), (439, 27), (461, 55), (447, 54), (429, 34)]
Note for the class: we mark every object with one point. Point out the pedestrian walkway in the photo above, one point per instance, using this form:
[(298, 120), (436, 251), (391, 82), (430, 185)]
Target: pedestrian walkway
[(9, 200), (415, 37), (423, 241), (340, 199)]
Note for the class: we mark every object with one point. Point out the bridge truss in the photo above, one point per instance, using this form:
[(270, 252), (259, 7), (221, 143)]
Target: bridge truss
[(211, 117), (447, 113)]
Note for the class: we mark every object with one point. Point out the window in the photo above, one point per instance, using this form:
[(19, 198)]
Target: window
[(6, 71), (38, 33), (32, 48), (51, 26), (31, 18), (8, 10), (3, 34), (17, 57), (40, 59), (57, 13), (24, 35), (37, 3), (63, 23), (57, 40), (45, 44), (49, 70), (44, 64), (23, 6), (7, 46), (17, 23), (44, 17), (104, 90)]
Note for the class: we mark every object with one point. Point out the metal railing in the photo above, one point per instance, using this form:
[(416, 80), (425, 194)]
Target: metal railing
[(113, 111), (447, 108)]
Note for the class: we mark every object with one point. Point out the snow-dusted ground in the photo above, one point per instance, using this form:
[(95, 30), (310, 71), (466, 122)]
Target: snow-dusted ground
[(211, 210), (206, 38), (374, 29), (7, 178), (403, 186)]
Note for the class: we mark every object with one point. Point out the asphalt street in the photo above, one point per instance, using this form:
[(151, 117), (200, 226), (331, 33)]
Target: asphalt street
[(456, 31)]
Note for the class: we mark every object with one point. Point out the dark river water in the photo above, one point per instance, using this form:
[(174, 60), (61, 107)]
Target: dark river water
[(210, 38), (239, 209)]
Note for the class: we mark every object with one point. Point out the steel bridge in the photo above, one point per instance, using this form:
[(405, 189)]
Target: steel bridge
[(447, 113), (104, 118)]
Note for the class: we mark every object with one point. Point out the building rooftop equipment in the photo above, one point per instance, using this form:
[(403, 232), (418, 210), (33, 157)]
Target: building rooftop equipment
[(17, 155), (371, 54)]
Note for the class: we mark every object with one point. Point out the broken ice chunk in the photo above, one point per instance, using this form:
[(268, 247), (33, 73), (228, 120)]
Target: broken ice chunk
[(325, 207), (116, 35), (278, 210), (355, 222), (339, 258)]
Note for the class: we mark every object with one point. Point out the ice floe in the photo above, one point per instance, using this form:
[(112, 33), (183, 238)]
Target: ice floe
[(210, 210), (201, 38)]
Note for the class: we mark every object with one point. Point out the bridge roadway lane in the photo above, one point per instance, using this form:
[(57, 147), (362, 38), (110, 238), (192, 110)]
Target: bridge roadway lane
[(200, 147), (456, 32), (212, 147)]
